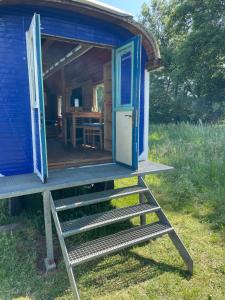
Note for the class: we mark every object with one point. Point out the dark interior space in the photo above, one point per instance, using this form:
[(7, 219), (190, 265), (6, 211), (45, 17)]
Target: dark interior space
[(78, 102)]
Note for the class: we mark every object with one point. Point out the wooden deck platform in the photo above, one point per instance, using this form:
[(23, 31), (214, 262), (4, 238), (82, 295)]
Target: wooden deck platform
[(20, 185)]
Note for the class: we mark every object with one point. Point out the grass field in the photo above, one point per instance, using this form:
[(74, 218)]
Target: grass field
[(193, 197)]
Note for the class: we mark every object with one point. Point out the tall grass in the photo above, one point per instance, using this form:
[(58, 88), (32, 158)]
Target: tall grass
[(193, 192), (197, 185)]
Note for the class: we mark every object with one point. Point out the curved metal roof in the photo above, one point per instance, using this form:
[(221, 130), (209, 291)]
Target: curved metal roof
[(106, 7), (105, 12)]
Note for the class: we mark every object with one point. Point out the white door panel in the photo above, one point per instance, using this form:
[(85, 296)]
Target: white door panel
[(124, 137), (126, 101)]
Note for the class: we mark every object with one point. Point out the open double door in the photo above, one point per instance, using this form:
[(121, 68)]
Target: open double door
[(34, 58), (126, 61)]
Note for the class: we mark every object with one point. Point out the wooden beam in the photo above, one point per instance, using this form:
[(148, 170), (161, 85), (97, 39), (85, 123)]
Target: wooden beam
[(70, 57), (75, 41), (60, 39)]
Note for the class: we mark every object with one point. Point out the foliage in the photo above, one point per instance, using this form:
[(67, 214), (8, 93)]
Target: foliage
[(191, 39), (197, 183), (193, 198)]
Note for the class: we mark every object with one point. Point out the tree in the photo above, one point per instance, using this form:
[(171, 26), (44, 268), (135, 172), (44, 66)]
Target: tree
[(191, 39)]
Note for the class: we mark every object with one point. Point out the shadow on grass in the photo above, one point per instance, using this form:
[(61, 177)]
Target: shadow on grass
[(98, 278), (125, 270), (107, 275)]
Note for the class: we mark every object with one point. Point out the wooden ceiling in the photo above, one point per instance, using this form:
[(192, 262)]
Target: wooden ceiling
[(88, 66), (53, 50)]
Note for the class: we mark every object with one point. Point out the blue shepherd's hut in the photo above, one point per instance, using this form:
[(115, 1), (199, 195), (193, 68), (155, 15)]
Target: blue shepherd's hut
[(74, 97), (74, 86)]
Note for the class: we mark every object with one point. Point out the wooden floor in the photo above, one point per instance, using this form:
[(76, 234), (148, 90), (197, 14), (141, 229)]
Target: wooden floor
[(12, 186), (61, 155)]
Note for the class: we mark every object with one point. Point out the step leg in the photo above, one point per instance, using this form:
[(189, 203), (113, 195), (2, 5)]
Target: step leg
[(64, 250), (182, 250), (177, 242), (49, 260), (173, 235), (73, 283)]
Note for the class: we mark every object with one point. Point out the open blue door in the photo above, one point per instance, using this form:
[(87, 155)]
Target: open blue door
[(126, 101), (34, 58)]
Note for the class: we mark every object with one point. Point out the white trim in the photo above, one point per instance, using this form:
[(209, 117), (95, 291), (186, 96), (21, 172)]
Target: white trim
[(144, 155), (37, 104), (106, 7), (40, 96), (34, 103), (31, 103)]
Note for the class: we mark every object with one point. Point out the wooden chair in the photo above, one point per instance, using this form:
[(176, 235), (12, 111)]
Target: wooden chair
[(91, 131)]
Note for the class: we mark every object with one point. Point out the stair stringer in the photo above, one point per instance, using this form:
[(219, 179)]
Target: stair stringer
[(172, 235), (143, 197), (64, 251)]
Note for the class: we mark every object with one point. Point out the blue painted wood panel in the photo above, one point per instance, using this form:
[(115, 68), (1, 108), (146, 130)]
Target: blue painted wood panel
[(15, 125), (142, 103), (72, 25)]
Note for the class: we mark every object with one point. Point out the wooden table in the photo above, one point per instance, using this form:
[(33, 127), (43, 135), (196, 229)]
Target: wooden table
[(73, 118)]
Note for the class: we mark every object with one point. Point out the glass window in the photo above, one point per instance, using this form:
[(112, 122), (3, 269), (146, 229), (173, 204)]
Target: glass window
[(126, 78), (59, 106), (98, 104)]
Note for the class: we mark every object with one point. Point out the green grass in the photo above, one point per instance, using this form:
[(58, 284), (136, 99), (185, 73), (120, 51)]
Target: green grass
[(193, 198)]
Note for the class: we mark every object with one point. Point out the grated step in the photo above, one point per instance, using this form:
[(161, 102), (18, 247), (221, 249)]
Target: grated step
[(102, 219), (93, 198), (116, 242)]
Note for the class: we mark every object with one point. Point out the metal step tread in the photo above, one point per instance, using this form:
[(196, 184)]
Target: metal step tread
[(105, 218), (92, 198), (115, 242)]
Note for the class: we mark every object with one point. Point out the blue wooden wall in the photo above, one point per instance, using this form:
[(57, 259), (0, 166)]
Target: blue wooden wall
[(15, 124)]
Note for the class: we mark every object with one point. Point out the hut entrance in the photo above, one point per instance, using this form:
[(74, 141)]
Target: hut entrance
[(72, 99), (78, 102)]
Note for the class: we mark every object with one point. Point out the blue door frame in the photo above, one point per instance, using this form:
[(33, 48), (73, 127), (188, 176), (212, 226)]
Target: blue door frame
[(34, 56), (126, 95)]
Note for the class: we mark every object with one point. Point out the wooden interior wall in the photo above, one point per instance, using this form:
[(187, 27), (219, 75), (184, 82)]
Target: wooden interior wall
[(86, 72), (107, 75), (87, 93), (88, 66), (53, 87), (50, 106)]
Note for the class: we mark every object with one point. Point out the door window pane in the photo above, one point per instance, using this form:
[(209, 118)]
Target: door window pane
[(126, 78)]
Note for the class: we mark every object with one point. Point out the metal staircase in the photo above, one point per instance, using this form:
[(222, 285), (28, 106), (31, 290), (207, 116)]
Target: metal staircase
[(114, 242)]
